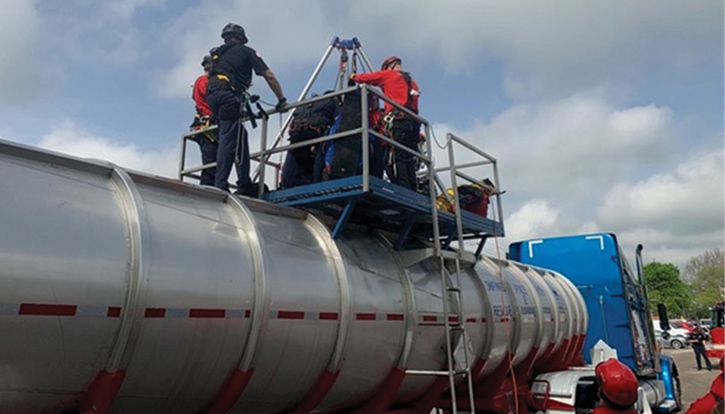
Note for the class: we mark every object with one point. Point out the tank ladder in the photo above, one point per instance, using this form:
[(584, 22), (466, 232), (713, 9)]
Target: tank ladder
[(454, 321)]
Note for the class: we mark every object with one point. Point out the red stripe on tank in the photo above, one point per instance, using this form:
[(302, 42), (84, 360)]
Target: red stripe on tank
[(470, 320), (329, 316), (247, 313), (154, 313), (365, 316), (394, 317), (430, 318), (286, 314), (113, 312), (39, 309), (207, 313)]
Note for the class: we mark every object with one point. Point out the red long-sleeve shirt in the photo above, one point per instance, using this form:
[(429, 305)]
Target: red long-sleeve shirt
[(704, 404), (394, 87), (198, 95)]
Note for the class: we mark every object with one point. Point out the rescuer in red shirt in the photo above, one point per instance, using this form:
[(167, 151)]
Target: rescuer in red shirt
[(707, 402), (617, 388), (402, 89), (207, 140)]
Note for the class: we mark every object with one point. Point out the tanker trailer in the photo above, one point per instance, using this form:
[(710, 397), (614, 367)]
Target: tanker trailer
[(122, 292)]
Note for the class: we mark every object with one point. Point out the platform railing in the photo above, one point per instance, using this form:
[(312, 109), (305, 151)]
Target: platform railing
[(456, 171), (262, 158)]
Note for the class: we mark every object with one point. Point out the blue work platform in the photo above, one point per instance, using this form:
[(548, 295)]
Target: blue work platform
[(385, 206)]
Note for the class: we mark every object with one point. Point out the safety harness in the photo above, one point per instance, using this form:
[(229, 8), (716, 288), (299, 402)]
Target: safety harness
[(201, 124), (395, 113)]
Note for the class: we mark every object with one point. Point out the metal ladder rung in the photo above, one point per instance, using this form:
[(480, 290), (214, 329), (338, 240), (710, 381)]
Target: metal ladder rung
[(451, 325), (465, 371)]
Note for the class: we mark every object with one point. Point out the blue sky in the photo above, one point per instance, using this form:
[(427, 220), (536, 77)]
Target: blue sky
[(605, 116)]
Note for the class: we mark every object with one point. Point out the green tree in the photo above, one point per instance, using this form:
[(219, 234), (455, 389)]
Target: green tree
[(665, 286), (707, 289)]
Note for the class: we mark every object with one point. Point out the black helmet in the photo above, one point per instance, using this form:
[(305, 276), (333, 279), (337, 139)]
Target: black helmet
[(234, 30), (206, 60)]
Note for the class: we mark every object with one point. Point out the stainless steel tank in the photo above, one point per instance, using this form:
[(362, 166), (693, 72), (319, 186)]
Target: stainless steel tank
[(190, 300)]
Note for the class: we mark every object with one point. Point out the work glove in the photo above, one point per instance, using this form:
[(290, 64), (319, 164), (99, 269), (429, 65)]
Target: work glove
[(281, 104), (351, 80)]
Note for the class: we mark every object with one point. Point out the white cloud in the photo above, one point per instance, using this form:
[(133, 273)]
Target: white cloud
[(542, 45), (572, 148), (582, 164), (285, 33), (545, 45), (536, 218), (21, 78), (684, 202), (125, 9), (72, 140), (98, 33)]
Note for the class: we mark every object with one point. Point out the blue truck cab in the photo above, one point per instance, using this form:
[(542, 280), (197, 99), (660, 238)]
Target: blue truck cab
[(616, 301)]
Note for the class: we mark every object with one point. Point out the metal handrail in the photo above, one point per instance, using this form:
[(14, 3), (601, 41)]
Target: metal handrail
[(262, 157), (454, 168)]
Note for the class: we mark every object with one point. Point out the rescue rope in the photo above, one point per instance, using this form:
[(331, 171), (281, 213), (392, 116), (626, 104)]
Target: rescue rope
[(435, 139)]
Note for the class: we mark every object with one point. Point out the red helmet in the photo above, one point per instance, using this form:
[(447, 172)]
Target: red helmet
[(390, 61), (617, 382)]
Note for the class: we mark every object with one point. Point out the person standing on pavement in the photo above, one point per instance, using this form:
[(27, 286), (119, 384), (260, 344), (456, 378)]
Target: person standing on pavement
[(697, 339), (401, 89), (617, 388), (229, 79), (208, 143)]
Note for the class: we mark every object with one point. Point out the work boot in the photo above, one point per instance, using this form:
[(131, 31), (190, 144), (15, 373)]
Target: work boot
[(246, 193)]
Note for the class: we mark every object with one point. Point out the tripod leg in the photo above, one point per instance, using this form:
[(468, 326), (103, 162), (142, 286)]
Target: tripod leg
[(302, 96)]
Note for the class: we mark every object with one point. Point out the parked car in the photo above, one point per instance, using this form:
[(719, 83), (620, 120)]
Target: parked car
[(680, 324), (674, 341), (673, 331)]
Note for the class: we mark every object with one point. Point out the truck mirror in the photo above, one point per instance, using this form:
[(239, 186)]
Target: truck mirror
[(638, 263), (662, 312)]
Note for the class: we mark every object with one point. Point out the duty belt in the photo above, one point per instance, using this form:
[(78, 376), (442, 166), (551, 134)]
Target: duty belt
[(226, 79)]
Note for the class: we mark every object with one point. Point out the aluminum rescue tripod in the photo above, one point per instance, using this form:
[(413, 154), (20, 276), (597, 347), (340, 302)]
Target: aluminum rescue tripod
[(348, 65)]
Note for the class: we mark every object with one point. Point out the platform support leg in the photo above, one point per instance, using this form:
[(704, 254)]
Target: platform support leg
[(479, 249), (449, 240), (405, 232), (340, 225)]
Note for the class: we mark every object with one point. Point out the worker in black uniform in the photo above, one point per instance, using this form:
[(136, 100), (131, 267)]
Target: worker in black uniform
[(229, 78), (697, 339)]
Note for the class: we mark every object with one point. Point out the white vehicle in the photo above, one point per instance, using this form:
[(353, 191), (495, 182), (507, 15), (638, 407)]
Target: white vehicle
[(673, 341), (672, 331)]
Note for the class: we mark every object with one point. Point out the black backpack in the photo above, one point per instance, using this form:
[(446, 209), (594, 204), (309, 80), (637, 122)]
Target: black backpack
[(318, 115)]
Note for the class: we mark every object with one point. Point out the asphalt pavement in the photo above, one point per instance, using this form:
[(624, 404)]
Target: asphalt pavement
[(694, 383)]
